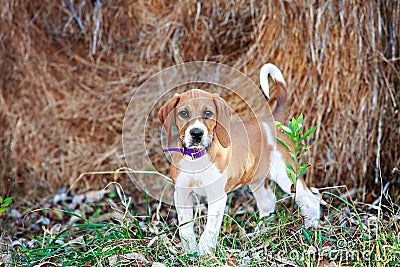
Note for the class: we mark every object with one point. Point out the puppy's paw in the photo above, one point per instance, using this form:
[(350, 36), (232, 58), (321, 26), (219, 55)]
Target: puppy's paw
[(190, 246), (207, 243), (310, 209), (193, 250), (311, 223), (206, 250)]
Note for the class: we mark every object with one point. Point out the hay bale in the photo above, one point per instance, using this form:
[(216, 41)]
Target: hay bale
[(69, 69)]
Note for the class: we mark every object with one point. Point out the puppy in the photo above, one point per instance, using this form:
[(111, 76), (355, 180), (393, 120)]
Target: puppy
[(216, 154)]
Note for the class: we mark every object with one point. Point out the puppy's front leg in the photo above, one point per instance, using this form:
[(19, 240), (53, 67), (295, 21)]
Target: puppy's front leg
[(184, 208), (208, 240)]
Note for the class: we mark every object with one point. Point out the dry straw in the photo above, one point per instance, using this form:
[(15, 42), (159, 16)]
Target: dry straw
[(68, 69)]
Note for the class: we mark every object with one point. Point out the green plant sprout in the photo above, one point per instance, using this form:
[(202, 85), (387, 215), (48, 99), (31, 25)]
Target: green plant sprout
[(298, 149), (4, 204)]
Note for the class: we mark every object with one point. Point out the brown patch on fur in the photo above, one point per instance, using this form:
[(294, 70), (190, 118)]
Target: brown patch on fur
[(222, 130), (281, 102), (165, 116)]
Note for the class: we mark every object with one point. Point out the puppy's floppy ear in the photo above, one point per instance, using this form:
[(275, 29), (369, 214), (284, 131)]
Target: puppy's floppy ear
[(222, 129), (165, 116)]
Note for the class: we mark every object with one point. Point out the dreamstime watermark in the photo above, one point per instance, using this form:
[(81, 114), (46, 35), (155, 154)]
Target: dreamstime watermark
[(343, 251), (142, 135)]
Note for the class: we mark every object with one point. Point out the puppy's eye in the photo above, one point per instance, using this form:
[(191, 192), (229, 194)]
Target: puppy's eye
[(207, 114), (183, 114)]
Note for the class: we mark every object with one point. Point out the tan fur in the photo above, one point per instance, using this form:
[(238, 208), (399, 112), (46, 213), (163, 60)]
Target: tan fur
[(247, 160), (281, 99)]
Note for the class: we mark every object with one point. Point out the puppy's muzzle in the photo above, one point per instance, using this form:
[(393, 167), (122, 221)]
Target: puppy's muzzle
[(196, 135)]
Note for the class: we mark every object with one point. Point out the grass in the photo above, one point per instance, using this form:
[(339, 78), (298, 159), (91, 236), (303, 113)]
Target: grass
[(348, 236)]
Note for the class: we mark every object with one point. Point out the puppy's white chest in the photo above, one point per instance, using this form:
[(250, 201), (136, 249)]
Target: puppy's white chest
[(201, 175)]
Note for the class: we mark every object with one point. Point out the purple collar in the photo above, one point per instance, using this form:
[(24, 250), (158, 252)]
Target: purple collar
[(187, 151)]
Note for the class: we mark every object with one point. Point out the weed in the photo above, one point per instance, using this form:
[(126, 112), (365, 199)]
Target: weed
[(4, 203), (297, 149)]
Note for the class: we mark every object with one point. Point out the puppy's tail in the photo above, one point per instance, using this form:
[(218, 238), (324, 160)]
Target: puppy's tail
[(281, 92)]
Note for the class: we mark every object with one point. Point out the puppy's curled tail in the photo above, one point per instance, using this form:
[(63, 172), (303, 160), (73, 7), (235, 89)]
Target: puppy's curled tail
[(281, 92)]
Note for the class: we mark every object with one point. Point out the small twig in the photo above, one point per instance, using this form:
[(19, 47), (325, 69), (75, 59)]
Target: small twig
[(97, 27), (75, 14), (28, 27), (383, 191), (198, 10)]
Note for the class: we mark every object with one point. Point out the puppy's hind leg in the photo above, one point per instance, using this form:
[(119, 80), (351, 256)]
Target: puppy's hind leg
[(308, 202), (265, 198), (266, 202)]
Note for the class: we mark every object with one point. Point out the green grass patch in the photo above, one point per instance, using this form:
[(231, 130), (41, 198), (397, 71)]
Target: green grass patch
[(348, 236)]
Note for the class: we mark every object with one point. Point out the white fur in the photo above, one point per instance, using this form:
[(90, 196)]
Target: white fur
[(278, 172), (268, 132), (208, 240), (202, 177), (309, 205), (184, 208), (265, 199), (276, 74), (308, 202)]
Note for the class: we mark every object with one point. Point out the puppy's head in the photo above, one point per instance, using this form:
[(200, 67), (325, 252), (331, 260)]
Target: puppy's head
[(199, 116)]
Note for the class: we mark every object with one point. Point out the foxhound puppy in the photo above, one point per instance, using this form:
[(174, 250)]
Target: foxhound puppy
[(217, 154)]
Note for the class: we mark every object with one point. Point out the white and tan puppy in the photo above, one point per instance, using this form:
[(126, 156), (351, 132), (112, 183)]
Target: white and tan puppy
[(218, 155)]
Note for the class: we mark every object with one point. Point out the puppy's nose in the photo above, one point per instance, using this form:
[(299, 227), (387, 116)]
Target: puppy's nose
[(196, 133)]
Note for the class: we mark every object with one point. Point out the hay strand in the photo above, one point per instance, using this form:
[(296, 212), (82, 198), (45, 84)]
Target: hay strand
[(69, 67)]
